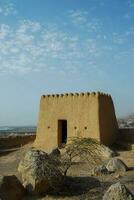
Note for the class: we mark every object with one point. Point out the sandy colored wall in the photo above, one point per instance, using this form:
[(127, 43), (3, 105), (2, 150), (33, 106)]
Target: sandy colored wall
[(7, 142), (107, 119), (93, 115), (80, 110)]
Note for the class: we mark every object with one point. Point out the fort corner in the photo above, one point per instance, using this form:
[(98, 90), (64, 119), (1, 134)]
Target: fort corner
[(62, 116)]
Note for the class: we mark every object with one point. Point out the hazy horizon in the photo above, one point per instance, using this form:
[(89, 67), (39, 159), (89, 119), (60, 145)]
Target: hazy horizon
[(62, 46)]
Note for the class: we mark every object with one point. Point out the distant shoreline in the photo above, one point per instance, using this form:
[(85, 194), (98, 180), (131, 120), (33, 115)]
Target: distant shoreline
[(12, 135), (6, 131)]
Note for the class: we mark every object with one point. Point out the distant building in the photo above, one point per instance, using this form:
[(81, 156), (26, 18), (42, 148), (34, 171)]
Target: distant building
[(63, 116)]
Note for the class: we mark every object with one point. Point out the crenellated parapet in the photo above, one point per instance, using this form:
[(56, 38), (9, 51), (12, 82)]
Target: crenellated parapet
[(76, 95)]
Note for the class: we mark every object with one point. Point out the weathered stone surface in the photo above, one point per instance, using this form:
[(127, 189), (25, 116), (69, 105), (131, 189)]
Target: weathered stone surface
[(55, 152), (39, 172), (11, 188), (110, 166), (118, 192), (107, 152), (115, 165), (100, 170)]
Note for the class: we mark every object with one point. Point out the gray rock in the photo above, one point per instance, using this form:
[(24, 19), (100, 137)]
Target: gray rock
[(118, 192), (11, 188), (100, 170), (116, 165), (55, 152), (39, 172), (107, 152), (110, 166)]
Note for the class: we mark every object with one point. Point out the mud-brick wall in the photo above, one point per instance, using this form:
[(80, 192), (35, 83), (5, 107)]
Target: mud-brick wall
[(107, 120), (80, 111), (88, 115), (126, 135), (8, 142)]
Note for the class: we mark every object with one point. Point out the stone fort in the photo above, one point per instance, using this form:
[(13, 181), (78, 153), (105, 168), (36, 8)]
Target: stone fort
[(62, 116)]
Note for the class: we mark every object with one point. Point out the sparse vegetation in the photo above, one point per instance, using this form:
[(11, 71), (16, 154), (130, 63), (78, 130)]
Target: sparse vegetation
[(80, 149), (78, 183)]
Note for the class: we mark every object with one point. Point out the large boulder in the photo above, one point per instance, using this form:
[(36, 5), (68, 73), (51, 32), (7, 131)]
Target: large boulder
[(107, 152), (109, 166), (39, 172), (11, 188), (55, 152), (118, 192), (100, 170), (116, 165)]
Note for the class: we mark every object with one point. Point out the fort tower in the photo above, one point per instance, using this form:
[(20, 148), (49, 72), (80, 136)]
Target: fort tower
[(62, 116)]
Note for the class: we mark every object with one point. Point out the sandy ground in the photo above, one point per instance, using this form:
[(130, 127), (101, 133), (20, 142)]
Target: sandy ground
[(80, 185)]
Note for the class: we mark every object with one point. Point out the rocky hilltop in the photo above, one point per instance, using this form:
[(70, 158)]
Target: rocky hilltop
[(126, 122)]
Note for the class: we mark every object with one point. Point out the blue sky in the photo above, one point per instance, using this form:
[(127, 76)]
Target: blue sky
[(57, 46)]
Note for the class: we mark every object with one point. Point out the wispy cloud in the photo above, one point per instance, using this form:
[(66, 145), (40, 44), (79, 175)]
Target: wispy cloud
[(29, 47), (33, 47), (4, 30), (27, 25), (95, 25), (7, 9), (130, 32), (18, 47), (78, 17), (119, 38), (124, 37), (83, 19), (123, 57)]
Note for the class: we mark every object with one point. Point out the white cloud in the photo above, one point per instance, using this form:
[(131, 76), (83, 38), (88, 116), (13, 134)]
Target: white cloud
[(16, 47), (78, 17), (124, 37), (83, 19), (8, 9), (130, 31), (94, 25), (4, 30), (123, 57), (27, 25), (32, 48), (118, 38)]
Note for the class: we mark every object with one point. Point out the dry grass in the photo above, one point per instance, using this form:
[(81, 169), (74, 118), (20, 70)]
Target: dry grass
[(80, 150), (79, 185)]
